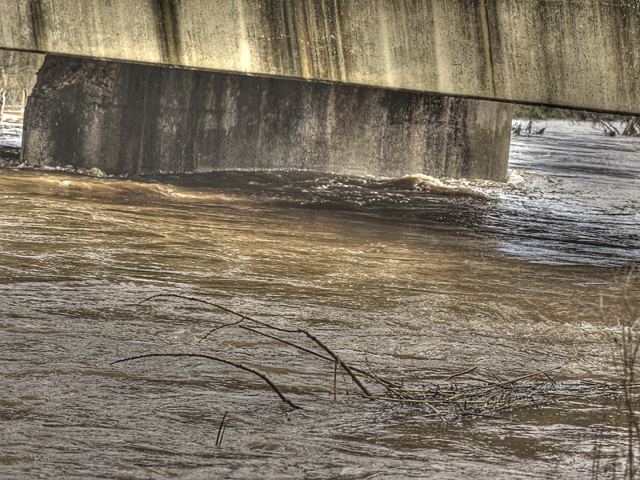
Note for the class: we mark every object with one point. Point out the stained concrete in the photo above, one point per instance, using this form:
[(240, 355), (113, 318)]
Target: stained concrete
[(575, 53), (135, 119), (18, 75)]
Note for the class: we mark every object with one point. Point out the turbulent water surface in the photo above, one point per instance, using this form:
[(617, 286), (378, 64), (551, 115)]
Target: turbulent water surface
[(414, 278)]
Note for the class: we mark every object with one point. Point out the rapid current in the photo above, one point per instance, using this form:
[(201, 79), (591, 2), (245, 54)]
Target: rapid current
[(414, 278)]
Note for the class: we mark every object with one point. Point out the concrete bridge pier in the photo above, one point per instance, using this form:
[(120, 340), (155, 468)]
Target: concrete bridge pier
[(132, 119)]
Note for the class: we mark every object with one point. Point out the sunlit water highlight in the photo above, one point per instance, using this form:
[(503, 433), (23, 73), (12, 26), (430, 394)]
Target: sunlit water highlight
[(416, 277)]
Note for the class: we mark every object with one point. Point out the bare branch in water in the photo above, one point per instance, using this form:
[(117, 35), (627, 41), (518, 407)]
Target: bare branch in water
[(337, 359), (243, 317), (475, 397), (216, 359), (220, 327)]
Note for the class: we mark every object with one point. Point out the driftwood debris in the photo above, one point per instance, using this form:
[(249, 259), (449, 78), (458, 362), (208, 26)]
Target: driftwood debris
[(529, 130), (631, 126), (484, 398), (449, 399), (607, 127)]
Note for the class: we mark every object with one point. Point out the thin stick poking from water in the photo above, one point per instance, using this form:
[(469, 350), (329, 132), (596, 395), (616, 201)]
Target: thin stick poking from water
[(344, 379), (221, 431), (342, 364), (335, 381)]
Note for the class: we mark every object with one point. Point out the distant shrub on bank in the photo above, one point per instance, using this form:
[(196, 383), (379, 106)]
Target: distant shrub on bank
[(629, 126)]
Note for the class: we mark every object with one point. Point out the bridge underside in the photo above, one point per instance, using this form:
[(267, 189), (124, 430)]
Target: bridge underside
[(581, 54)]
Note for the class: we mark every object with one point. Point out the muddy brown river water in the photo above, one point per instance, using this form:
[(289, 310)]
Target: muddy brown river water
[(414, 278)]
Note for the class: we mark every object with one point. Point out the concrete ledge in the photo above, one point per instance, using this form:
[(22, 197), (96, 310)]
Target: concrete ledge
[(575, 53), (136, 119)]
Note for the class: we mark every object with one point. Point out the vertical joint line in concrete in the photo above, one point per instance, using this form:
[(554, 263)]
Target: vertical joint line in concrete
[(487, 44)]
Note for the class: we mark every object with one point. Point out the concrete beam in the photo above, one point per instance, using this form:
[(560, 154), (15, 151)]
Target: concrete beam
[(575, 53), (135, 119)]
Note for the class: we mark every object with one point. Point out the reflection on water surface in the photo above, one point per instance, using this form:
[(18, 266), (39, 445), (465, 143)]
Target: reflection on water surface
[(417, 278)]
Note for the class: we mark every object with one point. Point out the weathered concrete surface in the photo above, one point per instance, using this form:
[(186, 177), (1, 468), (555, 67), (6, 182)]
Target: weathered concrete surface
[(18, 75), (136, 119), (575, 53)]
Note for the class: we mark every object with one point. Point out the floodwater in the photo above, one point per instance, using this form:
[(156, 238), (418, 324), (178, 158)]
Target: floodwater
[(414, 278)]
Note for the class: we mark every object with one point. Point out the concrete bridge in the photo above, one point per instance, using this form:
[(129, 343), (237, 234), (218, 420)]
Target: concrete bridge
[(581, 54)]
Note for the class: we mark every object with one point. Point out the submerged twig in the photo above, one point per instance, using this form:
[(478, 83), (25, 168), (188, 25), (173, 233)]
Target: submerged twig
[(528, 376), (460, 374)]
